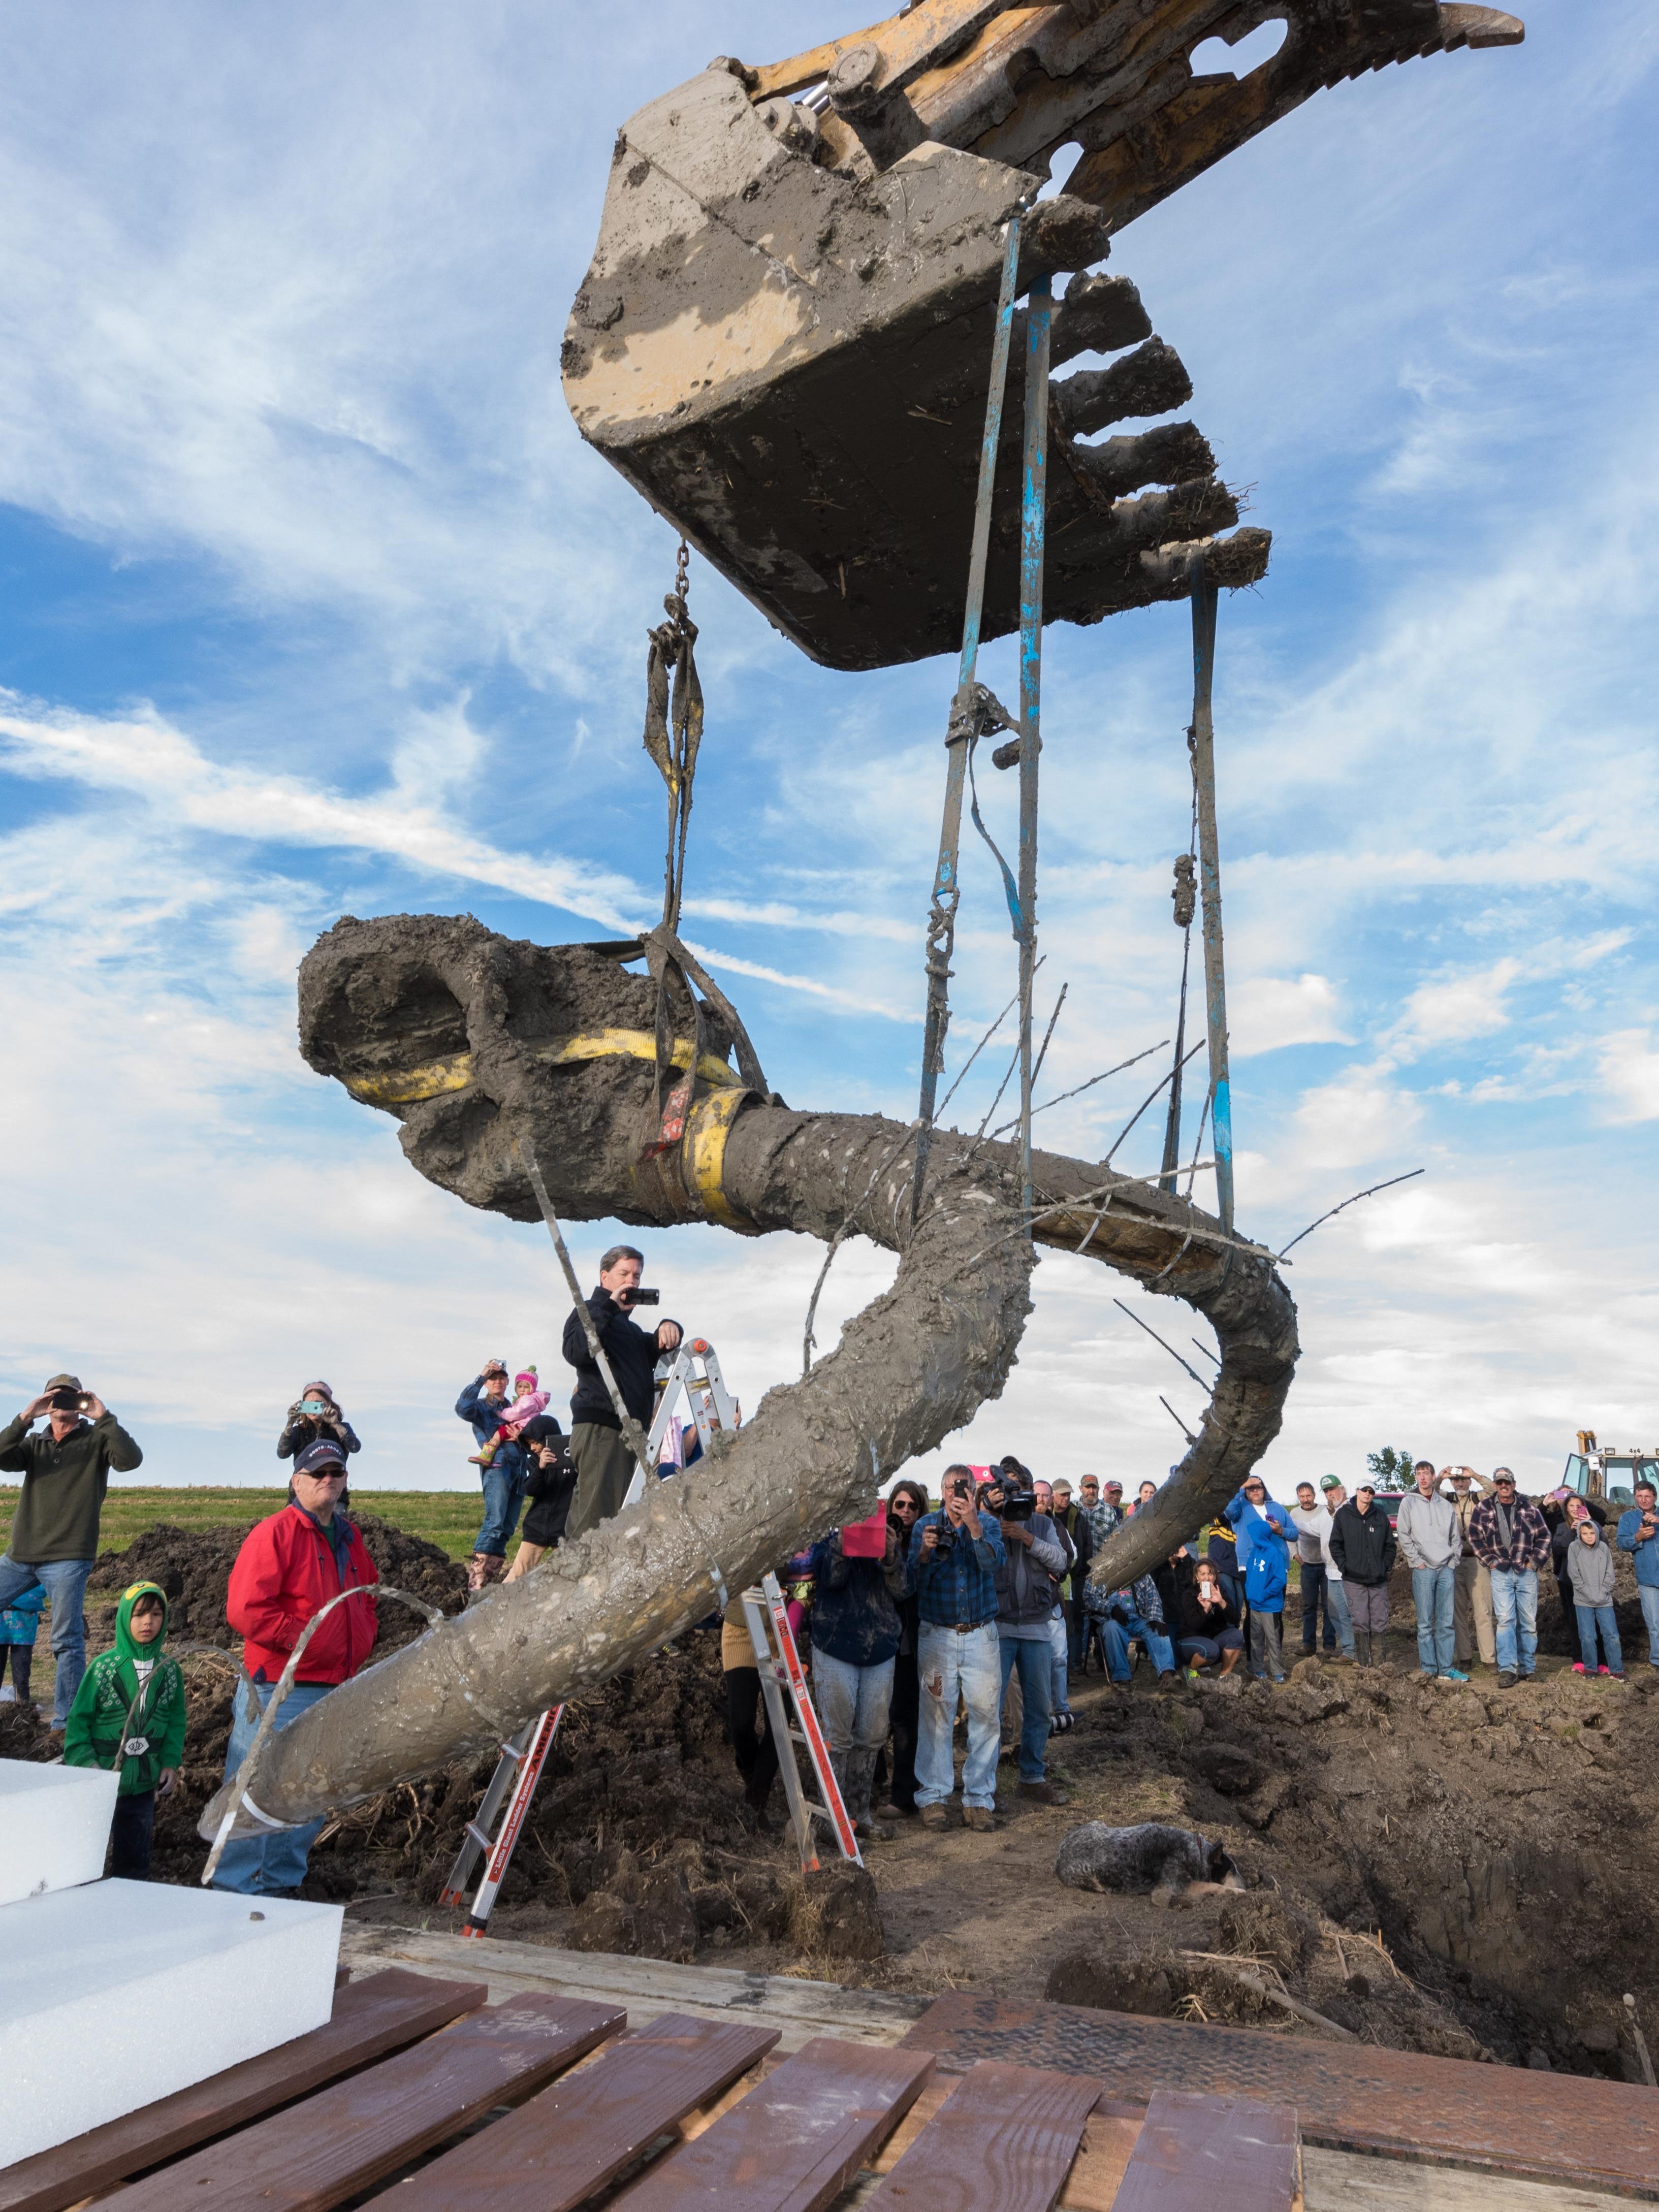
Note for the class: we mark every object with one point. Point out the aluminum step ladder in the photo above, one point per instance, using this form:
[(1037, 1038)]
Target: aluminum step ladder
[(513, 1785), (783, 1686), (697, 1372)]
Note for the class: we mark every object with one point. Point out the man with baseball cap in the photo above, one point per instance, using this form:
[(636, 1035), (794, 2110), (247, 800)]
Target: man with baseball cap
[(1511, 1540), (1362, 1548), (287, 1569), (481, 1406), (54, 1532)]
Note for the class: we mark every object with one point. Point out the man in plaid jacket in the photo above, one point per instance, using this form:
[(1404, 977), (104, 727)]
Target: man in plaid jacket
[(1508, 1536)]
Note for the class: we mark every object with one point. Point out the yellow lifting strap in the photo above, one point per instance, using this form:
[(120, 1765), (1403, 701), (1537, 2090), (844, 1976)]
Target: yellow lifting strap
[(411, 1086), (702, 1151)]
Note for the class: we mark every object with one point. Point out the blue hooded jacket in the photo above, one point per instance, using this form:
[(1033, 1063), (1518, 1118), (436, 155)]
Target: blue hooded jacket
[(1264, 1550), (1644, 1550)]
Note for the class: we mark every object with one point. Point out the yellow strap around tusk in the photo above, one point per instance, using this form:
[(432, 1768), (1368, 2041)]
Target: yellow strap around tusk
[(703, 1155), (411, 1086)]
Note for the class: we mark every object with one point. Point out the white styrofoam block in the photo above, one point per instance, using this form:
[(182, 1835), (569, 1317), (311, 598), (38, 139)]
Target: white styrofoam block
[(54, 1826), (122, 1992)]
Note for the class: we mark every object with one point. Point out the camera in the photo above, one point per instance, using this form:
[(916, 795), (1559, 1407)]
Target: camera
[(639, 1296), (944, 1540), (1017, 1505), (66, 1401)]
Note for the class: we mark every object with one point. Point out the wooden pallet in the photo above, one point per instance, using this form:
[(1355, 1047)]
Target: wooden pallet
[(551, 2102)]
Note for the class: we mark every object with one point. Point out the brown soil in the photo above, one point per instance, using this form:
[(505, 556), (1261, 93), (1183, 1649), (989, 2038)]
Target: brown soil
[(1463, 1871)]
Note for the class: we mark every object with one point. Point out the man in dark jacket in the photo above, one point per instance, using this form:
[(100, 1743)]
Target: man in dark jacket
[(1361, 1543), (1080, 1527), (287, 1569), (54, 1532), (605, 1465), (1034, 1565)]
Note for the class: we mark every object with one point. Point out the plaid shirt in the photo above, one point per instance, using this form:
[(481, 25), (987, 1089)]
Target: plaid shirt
[(1102, 1519), (1529, 1535), (960, 1590)]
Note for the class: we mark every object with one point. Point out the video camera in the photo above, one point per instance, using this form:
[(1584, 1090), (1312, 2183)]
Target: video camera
[(639, 1296), (1017, 1505)]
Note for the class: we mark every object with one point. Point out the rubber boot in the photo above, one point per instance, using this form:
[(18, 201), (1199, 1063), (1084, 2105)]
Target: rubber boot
[(1362, 1646)]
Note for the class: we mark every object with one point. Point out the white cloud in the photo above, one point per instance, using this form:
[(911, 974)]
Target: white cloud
[(1627, 1070), (1457, 1008), (1266, 1013)]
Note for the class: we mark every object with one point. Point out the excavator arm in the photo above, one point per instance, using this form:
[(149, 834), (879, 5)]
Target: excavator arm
[(784, 337)]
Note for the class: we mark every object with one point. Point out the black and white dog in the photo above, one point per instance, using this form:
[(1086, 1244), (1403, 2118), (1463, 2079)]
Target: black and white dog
[(1169, 1863)]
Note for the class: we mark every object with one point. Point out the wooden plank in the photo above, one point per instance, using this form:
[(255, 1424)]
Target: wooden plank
[(648, 1986), (581, 2133), (1582, 2130), (1343, 2181), (1004, 2142), (925, 2109), (349, 2136), (1194, 2152), (1102, 2162), (372, 2016), (793, 2143)]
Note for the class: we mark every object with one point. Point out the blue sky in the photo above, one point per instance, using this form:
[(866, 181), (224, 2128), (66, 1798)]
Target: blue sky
[(314, 603)]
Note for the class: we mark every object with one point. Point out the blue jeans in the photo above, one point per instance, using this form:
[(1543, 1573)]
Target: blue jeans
[(1649, 1594), (1314, 1586), (1590, 1618), (852, 1704), (1515, 1618), (1035, 1662), (64, 1582), (1337, 1615), (503, 1493), (1119, 1634), (1059, 1643), (260, 1864), (971, 1663), (1434, 1591)]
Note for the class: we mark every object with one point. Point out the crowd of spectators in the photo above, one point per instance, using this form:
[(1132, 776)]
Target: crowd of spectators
[(982, 1610)]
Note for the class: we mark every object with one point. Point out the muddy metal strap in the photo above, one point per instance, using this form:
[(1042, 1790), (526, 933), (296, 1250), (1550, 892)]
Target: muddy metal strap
[(1033, 509), (1201, 737), (961, 729)]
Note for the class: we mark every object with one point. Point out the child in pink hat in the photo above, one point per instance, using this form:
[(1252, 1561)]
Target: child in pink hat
[(530, 1401)]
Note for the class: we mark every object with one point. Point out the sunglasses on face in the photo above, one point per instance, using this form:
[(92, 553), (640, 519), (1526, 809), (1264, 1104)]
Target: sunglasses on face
[(903, 1505)]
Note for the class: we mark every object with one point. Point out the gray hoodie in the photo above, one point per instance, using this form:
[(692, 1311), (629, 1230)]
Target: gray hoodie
[(1589, 1570), (1428, 1530)]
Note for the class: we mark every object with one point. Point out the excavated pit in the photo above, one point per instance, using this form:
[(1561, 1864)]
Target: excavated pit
[(1503, 1845)]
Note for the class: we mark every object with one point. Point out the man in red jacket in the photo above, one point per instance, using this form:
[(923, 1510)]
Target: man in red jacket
[(286, 1571)]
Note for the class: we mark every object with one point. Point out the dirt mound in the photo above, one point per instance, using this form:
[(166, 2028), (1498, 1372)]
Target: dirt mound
[(1502, 1845)]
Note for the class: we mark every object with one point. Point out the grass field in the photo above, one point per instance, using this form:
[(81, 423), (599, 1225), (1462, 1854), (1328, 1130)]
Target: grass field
[(447, 1517)]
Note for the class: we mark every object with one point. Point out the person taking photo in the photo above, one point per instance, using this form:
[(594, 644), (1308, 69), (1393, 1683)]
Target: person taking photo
[(604, 1463), (66, 1468)]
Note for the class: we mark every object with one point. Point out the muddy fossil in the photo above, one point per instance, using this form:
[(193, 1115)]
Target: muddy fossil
[(485, 1049)]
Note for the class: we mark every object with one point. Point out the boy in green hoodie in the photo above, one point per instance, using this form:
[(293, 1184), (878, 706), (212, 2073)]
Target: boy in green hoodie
[(129, 1714)]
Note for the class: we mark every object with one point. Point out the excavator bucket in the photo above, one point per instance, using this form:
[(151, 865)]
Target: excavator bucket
[(784, 338)]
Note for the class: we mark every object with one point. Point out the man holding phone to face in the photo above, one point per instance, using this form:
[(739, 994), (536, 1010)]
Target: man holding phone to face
[(605, 1465), (54, 1532)]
